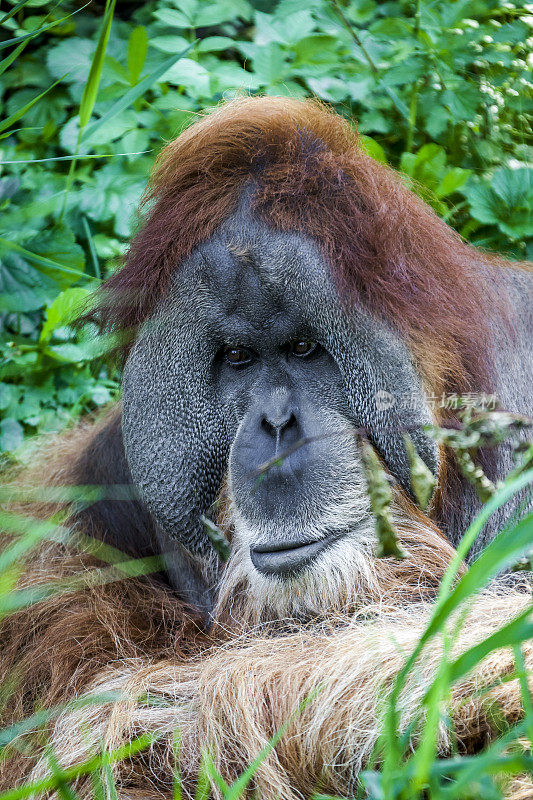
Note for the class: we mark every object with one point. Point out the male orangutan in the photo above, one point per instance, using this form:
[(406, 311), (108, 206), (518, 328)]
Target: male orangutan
[(284, 292)]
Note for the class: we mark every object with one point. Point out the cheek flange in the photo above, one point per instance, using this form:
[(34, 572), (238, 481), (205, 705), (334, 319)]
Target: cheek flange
[(175, 436)]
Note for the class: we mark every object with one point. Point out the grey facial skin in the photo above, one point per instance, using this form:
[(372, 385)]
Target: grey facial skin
[(190, 418)]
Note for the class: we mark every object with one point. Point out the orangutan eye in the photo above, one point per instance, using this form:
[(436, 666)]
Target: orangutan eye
[(303, 348), (237, 356)]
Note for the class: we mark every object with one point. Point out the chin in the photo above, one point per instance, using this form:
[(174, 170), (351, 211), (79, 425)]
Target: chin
[(295, 572)]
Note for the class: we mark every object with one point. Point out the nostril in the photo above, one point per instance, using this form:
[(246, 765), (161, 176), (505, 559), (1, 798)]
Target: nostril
[(268, 426), (276, 426), (291, 422)]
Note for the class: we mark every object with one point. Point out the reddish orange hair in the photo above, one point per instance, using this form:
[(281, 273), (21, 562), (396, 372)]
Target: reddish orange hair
[(384, 246)]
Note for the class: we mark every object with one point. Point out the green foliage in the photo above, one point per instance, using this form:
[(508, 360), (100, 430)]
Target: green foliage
[(90, 93)]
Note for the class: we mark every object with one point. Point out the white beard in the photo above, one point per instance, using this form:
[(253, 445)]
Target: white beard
[(331, 583)]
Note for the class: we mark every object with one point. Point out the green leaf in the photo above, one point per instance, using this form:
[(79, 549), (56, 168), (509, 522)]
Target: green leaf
[(373, 149), (58, 254), (72, 58), (484, 204), (113, 128), (392, 27), (215, 44), (31, 278), (137, 49), (436, 120), (8, 395), (169, 44), (511, 33), (135, 92), (70, 353), (514, 187), (506, 201), (66, 307), (331, 89), (114, 194), (452, 181), (101, 395), (193, 76), (11, 434), (269, 63), (173, 18), (22, 287), (462, 101), (213, 13)]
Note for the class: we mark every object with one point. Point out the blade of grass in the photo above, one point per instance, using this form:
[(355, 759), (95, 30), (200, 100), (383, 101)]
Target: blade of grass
[(239, 786), (64, 791), (42, 261), (527, 700), (90, 93), (215, 776), (510, 635), (111, 793), (496, 557), (71, 773), (494, 759), (97, 786), (92, 249), (516, 631), (444, 605), (135, 92), (508, 490), (33, 531), (70, 158), (95, 73), (32, 34), (87, 493), (43, 717), (16, 8), (203, 784), (426, 751), (8, 60), (134, 568)]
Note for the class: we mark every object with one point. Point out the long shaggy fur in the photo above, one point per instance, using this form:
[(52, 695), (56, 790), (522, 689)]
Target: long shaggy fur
[(230, 689), (234, 698)]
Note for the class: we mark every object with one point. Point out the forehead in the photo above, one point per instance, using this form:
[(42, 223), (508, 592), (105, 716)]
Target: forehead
[(249, 271)]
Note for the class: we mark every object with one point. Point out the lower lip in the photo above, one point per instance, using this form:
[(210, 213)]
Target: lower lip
[(288, 561)]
